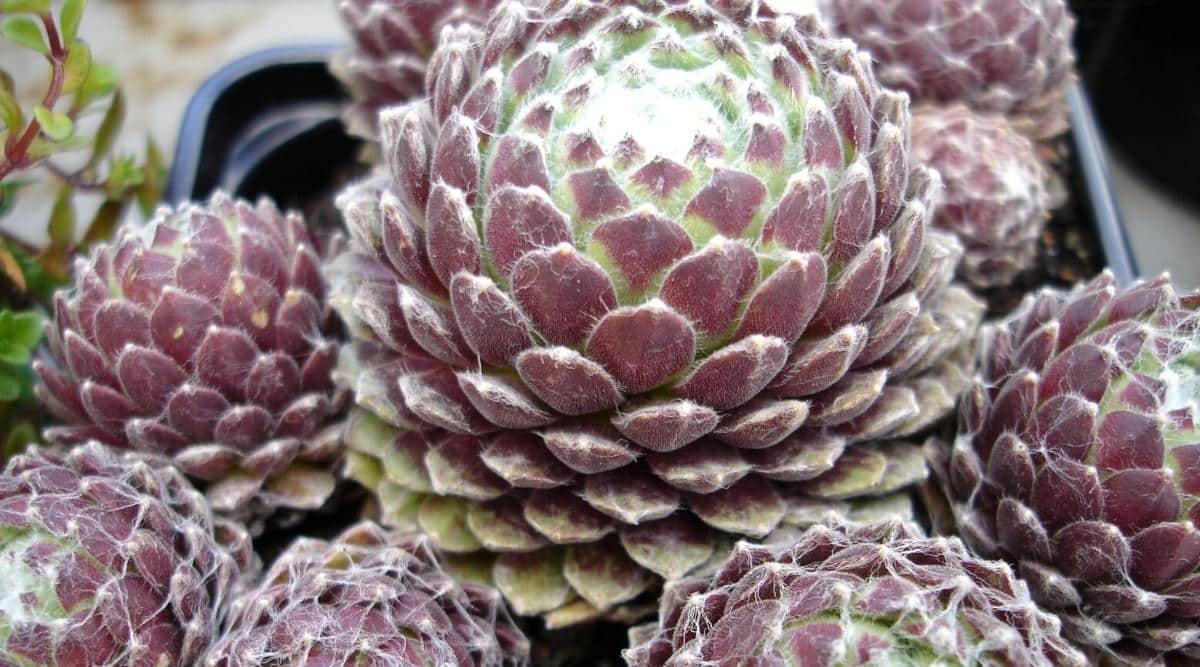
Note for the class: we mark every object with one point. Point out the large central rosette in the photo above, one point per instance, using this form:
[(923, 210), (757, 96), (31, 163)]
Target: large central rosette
[(628, 266)]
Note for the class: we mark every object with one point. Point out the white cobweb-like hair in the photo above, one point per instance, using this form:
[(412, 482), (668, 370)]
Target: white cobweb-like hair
[(1076, 460), (111, 559), (877, 593), (370, 598)]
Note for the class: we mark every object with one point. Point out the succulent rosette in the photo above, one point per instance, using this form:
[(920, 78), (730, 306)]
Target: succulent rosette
[(997, 193), (111, 559), (1077, 459), (630, 266), (367, 597), (391, 43), (1011, 57), (879, 594), (203, 337)]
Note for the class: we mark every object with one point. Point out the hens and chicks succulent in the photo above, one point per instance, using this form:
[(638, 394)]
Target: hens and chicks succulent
[(880, 594), (1078, 460), (111, 559), (633, 281), (367, 598), (205, 337), (393, 41), (612, 290), (1007, 57), (998, 194)]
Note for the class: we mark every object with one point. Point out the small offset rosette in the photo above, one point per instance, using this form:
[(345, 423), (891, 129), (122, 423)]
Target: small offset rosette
[(997, 195), (1016, 59), (391, 43), (205, 337), (874, 594), (111, 559), (367, 598), (1078, 459)]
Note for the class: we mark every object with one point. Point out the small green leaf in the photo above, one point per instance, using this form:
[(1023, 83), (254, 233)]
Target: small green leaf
[(79, 63), (62, 218), (10, 386), (8, 193), (154, 179), (114, 116), (43, 147), (23, 328), (68, 18), (19, 335), (10, 112), (24, 31), (101, 80), (57, 126), (103, 224), (31, 6), (11, 353), (11, 116), (39, 150), (21, 436), (123, 174)]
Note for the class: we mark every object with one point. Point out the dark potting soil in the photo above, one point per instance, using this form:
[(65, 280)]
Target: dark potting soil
[(344, 509), (588, 645)]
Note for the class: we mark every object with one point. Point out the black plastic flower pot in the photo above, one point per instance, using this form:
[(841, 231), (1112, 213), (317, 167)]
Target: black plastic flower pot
[(265, 124), (268, 124)]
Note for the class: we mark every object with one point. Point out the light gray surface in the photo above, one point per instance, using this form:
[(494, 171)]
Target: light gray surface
[(1164, 233)]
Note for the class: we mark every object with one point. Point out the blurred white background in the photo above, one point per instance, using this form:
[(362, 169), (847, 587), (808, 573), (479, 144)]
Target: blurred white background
[(163, 50)]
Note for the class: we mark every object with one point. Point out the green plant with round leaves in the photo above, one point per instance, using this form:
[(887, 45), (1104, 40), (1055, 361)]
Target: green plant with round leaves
[(20, 333), (49, 139)]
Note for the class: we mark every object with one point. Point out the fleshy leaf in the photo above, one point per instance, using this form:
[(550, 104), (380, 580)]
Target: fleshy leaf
[(56, 125), (24, 31)]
